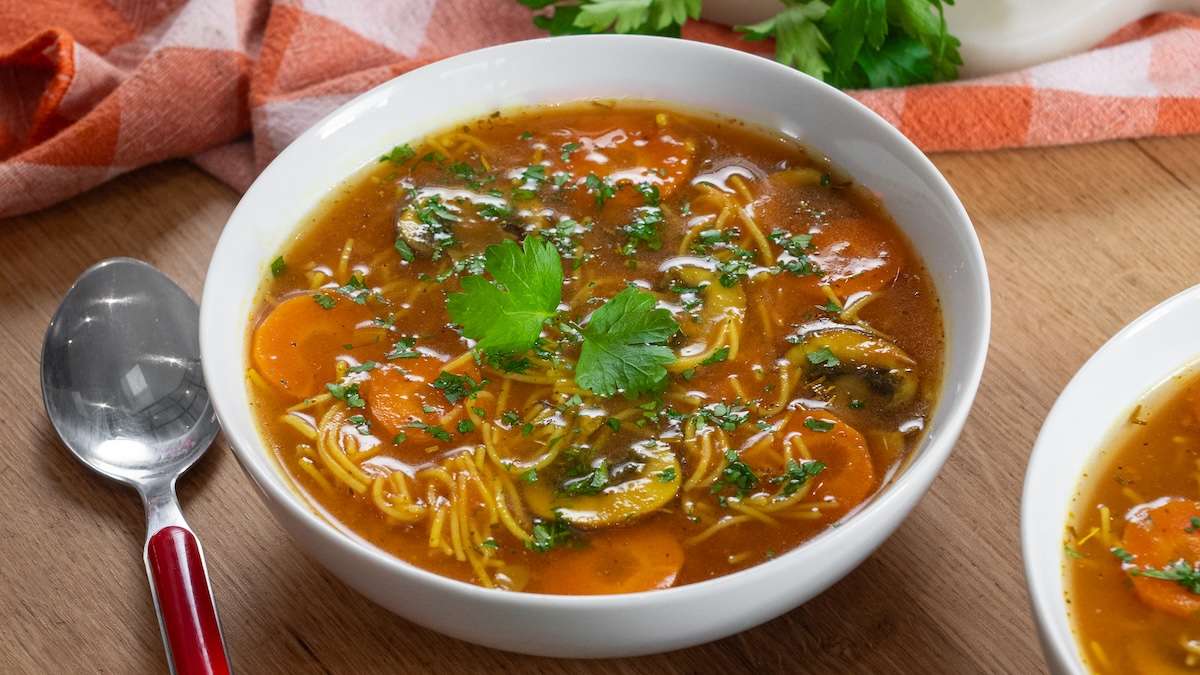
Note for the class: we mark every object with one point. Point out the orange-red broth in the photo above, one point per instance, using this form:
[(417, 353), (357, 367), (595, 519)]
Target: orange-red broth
[(1134, 512), (434, 502)]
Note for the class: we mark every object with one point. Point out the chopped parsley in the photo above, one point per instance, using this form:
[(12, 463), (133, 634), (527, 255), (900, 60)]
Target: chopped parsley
[(717, 356), (405, 251), (644, 230), (466, 426), (529, 476), (355, 289), (325, 301), (399, 154), (736, 474), (278, 267), (456, 387), (567, 149), (818, 425), (363, 367), (1181, 572), (667, 475), (795, 247), (823, 357), (727, 416), (649, 193), (736, 267), (361, 425), (403, 349), (797, 474), (590, 483), (548, 534), (431, 429), (348, 393), (601, 189), (437, 217)]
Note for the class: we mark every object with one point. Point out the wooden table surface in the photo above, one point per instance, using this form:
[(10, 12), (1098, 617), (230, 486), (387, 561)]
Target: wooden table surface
[(1079, 241)]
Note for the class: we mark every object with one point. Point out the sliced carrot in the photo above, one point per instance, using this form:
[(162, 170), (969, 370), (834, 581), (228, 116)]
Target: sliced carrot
[(855, 254), (296, 344), (620, 560), (849, 474), (401, 393), (1158, 538)]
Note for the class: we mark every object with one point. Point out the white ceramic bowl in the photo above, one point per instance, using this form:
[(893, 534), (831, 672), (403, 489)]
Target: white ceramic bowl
[(687, 74), (1157, 345)]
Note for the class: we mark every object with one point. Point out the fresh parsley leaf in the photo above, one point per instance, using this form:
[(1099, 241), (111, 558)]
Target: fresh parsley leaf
[(363, 367), (649, 193), (466, 426), (567, 149), (667, 475), (624, 346), (799, 41), (506, 313), (325, 301), (278, 267)]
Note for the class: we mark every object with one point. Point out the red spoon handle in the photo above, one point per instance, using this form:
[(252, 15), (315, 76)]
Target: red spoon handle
[(185, 603)]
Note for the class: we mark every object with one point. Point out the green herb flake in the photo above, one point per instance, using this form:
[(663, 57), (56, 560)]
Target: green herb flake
[(716, 357), (399, 154), (823, 357), (325, 301), (278, 267), (815, 424)]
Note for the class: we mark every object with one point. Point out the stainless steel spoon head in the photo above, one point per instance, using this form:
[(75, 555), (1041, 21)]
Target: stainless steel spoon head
[(121, 376)]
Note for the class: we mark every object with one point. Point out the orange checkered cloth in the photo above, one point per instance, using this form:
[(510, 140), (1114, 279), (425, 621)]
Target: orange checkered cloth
[(90, 89)]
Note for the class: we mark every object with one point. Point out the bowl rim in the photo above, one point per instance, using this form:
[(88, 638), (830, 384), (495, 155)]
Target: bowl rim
[(916, 477), (1047, 587)]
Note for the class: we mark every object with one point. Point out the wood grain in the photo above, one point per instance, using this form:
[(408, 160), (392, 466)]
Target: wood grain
[(1079, 241)]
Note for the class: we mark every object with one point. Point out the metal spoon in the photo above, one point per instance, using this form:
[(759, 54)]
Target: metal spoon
[(122, 384)]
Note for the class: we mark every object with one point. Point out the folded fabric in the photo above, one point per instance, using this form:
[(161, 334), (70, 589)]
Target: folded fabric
[(97, 88)]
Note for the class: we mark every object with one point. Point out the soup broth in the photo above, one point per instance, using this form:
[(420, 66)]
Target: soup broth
[(1133, 543), (594, 349)]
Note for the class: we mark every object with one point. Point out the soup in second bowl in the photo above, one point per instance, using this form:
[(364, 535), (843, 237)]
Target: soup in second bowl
[(1133, 544), (594, 349)]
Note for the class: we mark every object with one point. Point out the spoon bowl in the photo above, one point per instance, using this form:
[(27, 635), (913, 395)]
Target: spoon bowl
[(121, 377), (123, 387)]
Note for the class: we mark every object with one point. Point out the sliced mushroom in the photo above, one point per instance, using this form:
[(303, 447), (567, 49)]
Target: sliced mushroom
[(720, 302), (853, 353), (414, 233), (654, 482)]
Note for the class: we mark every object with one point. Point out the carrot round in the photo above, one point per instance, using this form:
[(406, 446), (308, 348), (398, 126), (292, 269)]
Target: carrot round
[(1158, 538), (614, 561), (849, 474), (855, 254), (295, 345), (401, 393)]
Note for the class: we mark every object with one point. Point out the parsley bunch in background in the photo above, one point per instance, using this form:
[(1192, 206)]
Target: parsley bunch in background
[(851, 44)]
